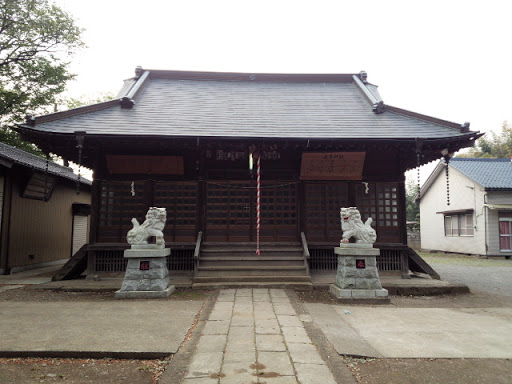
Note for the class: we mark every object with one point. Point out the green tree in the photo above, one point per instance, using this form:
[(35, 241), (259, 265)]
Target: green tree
[(494, 145), (36, 40), (412, 207), (73, 102)]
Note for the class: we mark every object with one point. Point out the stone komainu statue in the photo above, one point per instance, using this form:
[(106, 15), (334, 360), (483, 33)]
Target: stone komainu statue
[(151, 227), (352, 226)]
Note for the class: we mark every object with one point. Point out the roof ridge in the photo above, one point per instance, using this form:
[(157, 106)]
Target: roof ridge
[(249, 76)]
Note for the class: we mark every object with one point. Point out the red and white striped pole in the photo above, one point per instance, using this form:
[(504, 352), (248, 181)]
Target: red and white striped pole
[(258, 186)]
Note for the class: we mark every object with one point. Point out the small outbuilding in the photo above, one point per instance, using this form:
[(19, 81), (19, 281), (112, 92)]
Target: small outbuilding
[(252, 168), (469, 209), (42, 219)]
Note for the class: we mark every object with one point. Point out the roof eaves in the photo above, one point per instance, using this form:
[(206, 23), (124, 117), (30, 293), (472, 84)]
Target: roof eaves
[(34, 162), (462, 128), (32, 121), (504, 189)]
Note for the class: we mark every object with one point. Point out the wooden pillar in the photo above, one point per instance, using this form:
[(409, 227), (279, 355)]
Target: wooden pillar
[(201, 192), (402, 212), (301, 213)]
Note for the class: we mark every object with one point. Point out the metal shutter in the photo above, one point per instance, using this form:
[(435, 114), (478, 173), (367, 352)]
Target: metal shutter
[(79, 232)]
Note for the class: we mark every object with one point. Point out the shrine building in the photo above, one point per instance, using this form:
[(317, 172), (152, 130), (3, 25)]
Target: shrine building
[(195, 143)]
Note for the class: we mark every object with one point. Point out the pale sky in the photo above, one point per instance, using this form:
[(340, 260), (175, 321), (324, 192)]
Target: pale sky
[(449, 59)]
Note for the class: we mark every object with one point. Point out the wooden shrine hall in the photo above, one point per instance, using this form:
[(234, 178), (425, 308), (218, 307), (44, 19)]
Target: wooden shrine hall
[(195, 143)]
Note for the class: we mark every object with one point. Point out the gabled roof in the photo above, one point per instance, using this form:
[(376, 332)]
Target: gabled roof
[(10, 155), (491, 174), (206, 104)]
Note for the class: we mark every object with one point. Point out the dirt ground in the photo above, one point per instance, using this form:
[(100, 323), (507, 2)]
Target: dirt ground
[(365, 371), (478, 300), (431, 371), (80, 371)]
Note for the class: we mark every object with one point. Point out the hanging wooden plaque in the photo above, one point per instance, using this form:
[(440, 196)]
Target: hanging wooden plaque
[(145, 165), (332, 166)]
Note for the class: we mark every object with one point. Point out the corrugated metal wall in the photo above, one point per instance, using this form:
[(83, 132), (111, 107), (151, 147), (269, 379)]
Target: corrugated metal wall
[(42, 231)]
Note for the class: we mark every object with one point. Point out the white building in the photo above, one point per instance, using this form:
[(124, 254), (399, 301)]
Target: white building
[(470, 211)]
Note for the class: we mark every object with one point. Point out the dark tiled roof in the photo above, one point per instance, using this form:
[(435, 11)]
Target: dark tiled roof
[(489, 173), (244, 105), (29, 160)]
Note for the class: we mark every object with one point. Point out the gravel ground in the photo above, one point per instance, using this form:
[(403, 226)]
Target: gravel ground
[(490, 282), (486, 279)]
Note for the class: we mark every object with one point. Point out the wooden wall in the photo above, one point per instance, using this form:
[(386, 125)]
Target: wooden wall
[(190, 202)]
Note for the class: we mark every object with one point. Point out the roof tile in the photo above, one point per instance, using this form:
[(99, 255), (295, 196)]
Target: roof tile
[(489, 173)]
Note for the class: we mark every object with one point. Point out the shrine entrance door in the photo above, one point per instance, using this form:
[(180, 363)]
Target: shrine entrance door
[(323, 202), (231, 211)]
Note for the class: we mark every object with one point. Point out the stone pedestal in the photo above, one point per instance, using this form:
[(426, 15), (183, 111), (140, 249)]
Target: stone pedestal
[(357, 277), (146, 274)]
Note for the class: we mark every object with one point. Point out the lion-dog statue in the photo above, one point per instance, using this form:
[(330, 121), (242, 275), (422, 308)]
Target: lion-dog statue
[(151, 227), (352, 226)]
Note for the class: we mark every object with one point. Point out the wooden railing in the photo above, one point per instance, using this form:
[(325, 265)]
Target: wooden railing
[(108, 257), (393, 258), (305, 251)]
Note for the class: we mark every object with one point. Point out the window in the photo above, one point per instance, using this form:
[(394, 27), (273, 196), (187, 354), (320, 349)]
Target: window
[(505, 224), (458, 225)]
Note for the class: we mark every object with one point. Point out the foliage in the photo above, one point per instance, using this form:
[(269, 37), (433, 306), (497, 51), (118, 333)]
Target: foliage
[(36, 38), (73, 102), (412, 206), (494, 145)]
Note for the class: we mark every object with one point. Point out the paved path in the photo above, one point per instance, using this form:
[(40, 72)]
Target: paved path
[(392, 332), (255, 336), (119, 328)]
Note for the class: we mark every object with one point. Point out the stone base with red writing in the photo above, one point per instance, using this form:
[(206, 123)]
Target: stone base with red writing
[(357, 277), (146, 276)]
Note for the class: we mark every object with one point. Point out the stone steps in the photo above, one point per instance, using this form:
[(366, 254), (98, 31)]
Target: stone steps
[(299, 286), (252, 278), (251, 261), (237, 263), (250, 270)]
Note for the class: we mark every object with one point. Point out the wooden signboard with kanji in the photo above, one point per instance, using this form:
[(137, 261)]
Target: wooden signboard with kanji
[(332, 166), (145, 165)]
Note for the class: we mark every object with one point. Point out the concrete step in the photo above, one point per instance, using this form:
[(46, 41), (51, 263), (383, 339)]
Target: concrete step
[(251, 257), (305, 286), (258, 279), (251, 244), (263, 250), (229, 271), (244, 262)]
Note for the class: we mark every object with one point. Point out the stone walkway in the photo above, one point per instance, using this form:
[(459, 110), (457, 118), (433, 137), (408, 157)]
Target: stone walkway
[(255, 336)]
